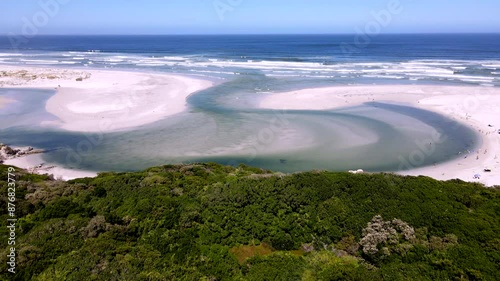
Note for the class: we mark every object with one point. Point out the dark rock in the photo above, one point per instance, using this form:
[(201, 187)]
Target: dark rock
[(9, 151)]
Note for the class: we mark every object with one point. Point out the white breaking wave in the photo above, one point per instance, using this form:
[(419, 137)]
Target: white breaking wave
[(384, 76), (209, 71), (431, 69), (32, 61), (492, 65), (10, 55)]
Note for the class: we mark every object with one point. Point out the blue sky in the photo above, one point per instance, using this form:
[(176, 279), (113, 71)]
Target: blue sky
[(246, 16)]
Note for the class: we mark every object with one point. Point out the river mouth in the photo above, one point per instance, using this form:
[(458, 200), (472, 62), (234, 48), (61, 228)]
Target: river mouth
[(224, 126)]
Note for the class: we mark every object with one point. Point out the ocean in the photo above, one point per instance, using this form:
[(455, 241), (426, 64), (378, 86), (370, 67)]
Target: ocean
[(223, 124), (341, 59)]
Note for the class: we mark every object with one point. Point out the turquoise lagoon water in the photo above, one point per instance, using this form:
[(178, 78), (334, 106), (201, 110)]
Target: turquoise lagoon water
[(288, 141)]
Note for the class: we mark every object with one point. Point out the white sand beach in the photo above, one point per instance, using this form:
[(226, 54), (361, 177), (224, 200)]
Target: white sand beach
[(103, 101), (477, 107), (35, 164)]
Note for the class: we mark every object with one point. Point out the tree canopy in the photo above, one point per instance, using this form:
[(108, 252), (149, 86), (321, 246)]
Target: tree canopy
[(214, 222)]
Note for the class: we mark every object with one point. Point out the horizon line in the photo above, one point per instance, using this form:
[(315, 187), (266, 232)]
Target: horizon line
[(243, 34)]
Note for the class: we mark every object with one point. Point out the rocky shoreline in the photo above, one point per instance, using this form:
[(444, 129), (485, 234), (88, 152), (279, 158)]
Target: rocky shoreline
[(8, 152)]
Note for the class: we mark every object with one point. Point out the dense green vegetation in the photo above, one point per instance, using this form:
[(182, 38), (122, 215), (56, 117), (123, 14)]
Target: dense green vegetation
[(212, 222)]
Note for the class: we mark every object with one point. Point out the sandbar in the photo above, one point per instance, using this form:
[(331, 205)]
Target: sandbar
[(93, 100), (475, 106)]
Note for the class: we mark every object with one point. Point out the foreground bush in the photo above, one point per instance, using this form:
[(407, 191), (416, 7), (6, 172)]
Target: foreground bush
[(212, 222)]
